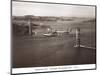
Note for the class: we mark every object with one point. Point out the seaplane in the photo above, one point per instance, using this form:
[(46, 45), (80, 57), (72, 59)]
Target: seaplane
[(51, 34), (57, 32)]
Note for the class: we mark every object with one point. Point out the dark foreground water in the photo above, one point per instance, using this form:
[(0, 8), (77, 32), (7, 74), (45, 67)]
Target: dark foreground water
[(51, 51)]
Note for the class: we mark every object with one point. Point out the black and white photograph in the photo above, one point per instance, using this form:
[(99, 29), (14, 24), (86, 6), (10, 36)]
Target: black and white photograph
[(50, 37)]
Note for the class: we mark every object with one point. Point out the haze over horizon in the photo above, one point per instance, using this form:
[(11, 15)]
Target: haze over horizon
[(43, 9)]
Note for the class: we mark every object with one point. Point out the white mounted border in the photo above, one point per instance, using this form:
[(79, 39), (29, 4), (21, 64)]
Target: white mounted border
[(52, 68)]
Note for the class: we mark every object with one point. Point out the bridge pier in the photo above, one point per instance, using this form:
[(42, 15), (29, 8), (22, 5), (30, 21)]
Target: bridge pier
[(30, 27), (77, 37)]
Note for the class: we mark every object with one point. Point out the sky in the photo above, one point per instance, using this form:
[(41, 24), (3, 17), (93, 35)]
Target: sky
[(43, 9)]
